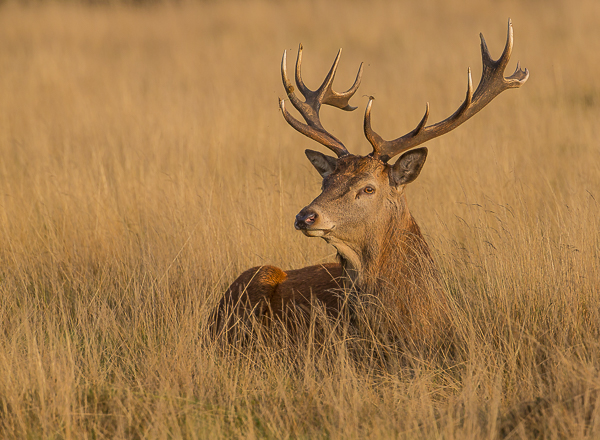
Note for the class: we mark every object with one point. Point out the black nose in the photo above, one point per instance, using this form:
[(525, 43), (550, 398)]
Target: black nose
[(305, 218)]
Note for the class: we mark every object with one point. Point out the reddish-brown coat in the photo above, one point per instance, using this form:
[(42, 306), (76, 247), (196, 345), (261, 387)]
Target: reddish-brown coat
[(266, 291), (362, 212)]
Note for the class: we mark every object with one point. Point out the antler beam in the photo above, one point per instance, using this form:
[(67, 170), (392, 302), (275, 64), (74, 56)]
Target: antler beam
[(491, 84), (309, 109)]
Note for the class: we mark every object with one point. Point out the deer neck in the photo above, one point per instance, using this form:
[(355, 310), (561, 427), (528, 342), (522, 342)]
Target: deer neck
[(389, 255)]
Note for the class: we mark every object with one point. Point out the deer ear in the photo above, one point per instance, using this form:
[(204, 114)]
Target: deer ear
[(323, 163), (407, 168)]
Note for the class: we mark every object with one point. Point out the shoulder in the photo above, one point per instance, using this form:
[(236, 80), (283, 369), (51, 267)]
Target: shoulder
[(327, 270)]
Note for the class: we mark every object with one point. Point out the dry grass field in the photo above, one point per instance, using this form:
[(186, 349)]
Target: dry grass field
[(144, 164)]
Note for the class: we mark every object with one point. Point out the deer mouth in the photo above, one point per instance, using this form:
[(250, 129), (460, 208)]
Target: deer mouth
[(312, 224)]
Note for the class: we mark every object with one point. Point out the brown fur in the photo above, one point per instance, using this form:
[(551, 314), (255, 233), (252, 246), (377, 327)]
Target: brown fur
[(267, 291), (362, 212), (382, 252)]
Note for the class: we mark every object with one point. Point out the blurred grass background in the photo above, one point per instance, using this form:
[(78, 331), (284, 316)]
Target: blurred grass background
[(144, 164)]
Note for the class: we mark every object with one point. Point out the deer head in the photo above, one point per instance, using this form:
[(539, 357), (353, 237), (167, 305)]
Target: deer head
[(362, 203)]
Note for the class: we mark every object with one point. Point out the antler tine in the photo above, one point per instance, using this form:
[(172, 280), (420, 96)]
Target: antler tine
[(303, 89), (491, 84), (321, 137), (313, 101), (376, 140), (333, 98), (289, 88), (371, 136)]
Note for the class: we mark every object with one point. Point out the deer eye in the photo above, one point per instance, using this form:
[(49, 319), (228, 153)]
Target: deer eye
[(369, 190)]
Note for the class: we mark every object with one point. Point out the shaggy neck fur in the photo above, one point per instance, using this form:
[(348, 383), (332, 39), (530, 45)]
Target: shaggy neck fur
[(393, 255), (395, 266)]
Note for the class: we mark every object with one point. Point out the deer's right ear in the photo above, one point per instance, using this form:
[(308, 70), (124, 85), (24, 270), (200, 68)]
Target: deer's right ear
[(323, 163), (407, 168)]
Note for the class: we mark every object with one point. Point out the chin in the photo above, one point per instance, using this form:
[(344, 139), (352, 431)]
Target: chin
[(314, 232)]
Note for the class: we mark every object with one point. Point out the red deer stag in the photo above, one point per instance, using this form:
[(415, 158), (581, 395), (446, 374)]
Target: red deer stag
[(362, 210)]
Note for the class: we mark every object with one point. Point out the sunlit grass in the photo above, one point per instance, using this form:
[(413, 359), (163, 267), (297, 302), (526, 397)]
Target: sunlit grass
[(145, 164)]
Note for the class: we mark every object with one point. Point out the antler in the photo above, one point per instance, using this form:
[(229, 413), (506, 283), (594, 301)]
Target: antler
[(492, 83), (313, 100)]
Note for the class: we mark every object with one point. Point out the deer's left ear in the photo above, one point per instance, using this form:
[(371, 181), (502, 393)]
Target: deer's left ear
[(407, 168), (324, 164)]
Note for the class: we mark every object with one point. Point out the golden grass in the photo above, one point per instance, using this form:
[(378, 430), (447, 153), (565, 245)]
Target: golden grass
[(144, 164)]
